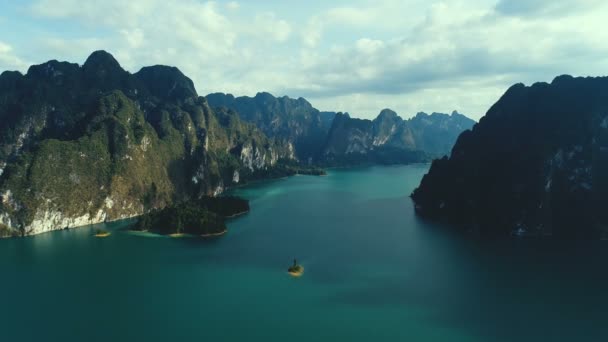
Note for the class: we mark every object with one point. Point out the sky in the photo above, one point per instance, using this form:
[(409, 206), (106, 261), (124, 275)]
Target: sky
[(357, 56)]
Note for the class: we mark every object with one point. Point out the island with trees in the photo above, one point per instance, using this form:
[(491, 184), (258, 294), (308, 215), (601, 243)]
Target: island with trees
[(205, 217)]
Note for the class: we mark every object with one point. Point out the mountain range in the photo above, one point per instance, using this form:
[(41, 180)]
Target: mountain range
[(388, 139), (93, 143), (336, 139)]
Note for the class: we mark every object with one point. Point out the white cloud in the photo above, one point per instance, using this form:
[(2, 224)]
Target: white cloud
[(9, 60), (233, 5), (134, 37), (266, 24)]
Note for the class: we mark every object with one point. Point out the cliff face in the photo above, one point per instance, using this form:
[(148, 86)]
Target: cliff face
[(390, 139), (283, 118), (436, 133), (80, 145), (534, 165)]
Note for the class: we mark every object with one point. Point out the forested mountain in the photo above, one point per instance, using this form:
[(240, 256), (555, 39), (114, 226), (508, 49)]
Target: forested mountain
[(536, 164), (84, 144)]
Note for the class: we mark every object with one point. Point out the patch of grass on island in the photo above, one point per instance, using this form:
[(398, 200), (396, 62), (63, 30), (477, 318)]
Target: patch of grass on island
[(204, 217)]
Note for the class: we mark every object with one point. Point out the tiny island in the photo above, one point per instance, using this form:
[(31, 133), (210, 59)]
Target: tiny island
[(296, 270), (205, 217), (100, 233)]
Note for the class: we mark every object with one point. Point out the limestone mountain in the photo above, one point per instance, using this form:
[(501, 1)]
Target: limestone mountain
[(84, 144), (390, 139), (436, 133), (292, 120), (536, 164)]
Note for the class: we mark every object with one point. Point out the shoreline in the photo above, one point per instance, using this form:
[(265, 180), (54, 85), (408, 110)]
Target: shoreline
[(179, 235), (211, 235), (237, 214)]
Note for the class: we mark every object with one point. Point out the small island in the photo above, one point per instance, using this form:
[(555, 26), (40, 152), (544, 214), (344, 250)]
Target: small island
[(296, 270), (100, 233), (205, 217), (312, 171), (287, 168)]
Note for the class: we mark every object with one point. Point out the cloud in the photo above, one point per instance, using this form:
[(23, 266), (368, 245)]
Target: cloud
[(134, 37), (266, 24), (455, 47), (233, 5), (10, 61)]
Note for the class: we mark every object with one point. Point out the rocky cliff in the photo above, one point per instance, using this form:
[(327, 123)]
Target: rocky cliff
[(283, 118), (390, 139), (85, 144), (536, 164)]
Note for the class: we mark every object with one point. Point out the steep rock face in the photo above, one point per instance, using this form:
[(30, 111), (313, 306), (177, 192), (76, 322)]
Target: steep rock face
[(534, 165), (436, 133), (390, 139), (81, 145), (284, 118)]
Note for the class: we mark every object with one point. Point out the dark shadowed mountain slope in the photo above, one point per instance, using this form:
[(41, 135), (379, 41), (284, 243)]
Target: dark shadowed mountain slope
[(536, 164)]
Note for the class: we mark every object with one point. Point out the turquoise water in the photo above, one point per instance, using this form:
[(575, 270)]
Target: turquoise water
[(373, 272)]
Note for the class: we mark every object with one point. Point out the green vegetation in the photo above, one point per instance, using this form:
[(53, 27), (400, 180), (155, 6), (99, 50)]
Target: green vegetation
[(116, 145), (196, 217), (75, 177), (5, 231)]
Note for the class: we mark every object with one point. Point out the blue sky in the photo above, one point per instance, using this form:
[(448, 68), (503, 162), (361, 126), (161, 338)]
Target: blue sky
[(358, 56)]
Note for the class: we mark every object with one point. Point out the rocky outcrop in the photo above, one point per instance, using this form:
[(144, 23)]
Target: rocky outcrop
[(436, 133), (390, 139), (534, 165), (283, 118)]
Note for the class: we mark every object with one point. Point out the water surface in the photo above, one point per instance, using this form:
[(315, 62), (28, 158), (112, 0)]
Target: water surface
[(373, 272)]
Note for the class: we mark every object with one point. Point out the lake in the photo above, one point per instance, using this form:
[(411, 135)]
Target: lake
[(373, 272)]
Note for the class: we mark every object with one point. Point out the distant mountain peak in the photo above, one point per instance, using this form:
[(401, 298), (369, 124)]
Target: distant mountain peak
[(264, 96), (562, 78), (167, 82), (388, 114), (102, 60)]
